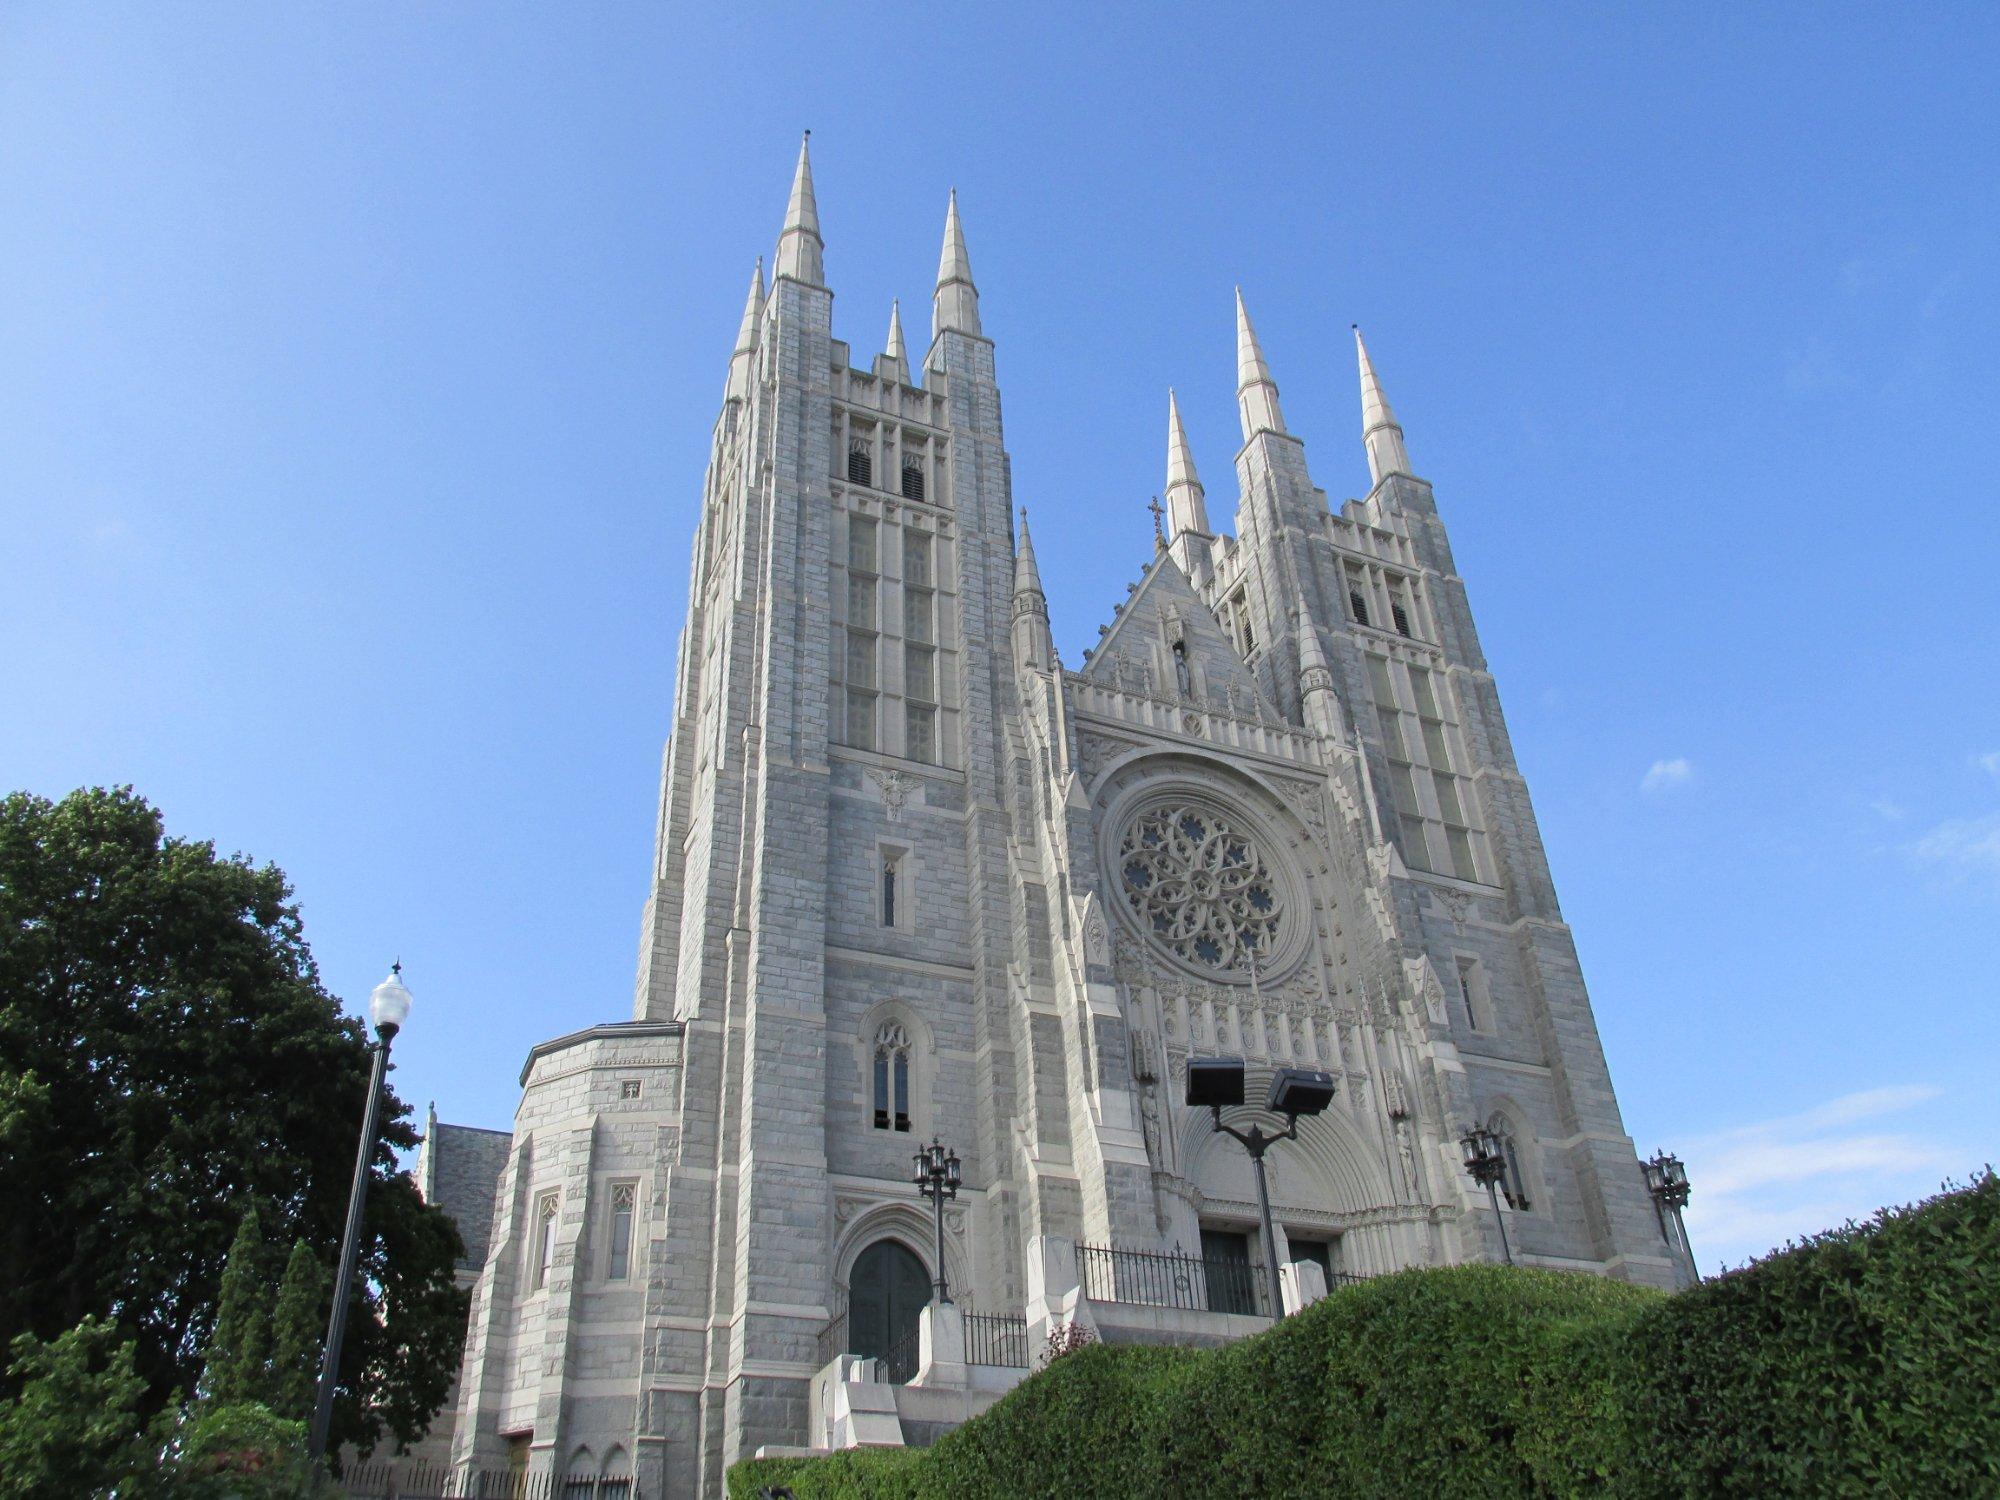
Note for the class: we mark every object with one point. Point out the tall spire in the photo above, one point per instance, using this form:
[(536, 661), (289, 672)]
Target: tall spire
[(1380, 432), (1187, 510), (955, 303), (1027, 573), (746, 335), (1256, 391), (799, 244), (1032, 644)]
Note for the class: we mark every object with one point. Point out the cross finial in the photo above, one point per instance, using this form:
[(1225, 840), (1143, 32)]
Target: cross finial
[(396, 968), (1159, 530)]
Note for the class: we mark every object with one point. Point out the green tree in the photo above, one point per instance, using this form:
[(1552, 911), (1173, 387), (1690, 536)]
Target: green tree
[(297, 1326), (73, 1426), (237, 1345), (167, 1054)]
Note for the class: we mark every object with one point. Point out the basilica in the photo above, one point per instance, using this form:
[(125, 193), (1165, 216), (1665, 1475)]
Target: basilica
[(918, 877)]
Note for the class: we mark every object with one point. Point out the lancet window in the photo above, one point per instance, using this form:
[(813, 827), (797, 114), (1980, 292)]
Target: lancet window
[(892, 1077)]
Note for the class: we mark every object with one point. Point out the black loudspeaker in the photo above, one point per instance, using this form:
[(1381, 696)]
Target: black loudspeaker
[(1294, 1091), (1214, 1080)]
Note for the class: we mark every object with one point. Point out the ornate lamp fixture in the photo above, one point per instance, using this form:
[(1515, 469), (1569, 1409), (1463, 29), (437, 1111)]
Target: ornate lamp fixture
[(1667, 1181), (937, 1178), (1487, 1162)]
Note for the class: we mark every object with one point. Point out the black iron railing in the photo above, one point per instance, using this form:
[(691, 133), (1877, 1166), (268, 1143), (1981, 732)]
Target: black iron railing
[(899, 1361), (996, 1340), (1153, 1279), (398, 1479)]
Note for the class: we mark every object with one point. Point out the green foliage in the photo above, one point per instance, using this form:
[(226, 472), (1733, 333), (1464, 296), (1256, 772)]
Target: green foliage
[(237, 1345), (855, 1474), (73, 1426), (1861, 1362), (245, 1452), (168, 1054), (1857, 1364), (298, 1324)]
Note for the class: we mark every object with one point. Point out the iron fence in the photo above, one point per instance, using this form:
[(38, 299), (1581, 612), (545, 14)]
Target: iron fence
[(1155, 1279), (899, 1360), (398, 1479), (996, 1340)]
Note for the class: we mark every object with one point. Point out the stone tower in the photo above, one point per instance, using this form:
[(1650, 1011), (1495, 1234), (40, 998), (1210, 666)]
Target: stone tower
[(915, 877)]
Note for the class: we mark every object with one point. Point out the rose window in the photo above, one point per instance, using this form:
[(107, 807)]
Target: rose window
[(1197, 882)]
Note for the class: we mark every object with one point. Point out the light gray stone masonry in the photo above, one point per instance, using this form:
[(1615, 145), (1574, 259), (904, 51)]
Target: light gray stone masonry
[(1083, 859)]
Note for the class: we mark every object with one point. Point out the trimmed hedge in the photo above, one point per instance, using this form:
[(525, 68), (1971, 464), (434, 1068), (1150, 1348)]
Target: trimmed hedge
[(1859, 1362)]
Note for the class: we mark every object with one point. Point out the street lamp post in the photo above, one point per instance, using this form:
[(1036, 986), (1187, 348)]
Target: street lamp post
[(388, 1007), (1218, 1083), (1667, 1181), (937, 1179), (1487, 1163)]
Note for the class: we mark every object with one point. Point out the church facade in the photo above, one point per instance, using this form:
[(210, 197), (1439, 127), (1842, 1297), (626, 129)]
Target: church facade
[(917, 878)]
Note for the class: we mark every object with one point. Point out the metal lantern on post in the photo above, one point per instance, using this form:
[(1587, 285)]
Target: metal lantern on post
[(1667, 1182), (1487, 1162), (388, 1008), (937, 1178)]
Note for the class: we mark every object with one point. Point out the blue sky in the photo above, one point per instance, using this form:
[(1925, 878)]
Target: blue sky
[(357, 365)]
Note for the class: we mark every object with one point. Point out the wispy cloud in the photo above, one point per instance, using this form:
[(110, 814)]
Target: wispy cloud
[(1963, 849), (1759, 1185), (1989, 763), (1888, 811), (1665, 776)]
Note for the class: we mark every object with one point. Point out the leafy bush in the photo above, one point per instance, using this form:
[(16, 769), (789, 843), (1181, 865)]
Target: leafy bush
[(1857, 1363), (1861, 1362)]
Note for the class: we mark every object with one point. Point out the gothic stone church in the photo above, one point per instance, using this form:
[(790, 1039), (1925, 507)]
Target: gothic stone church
[(919, 877)]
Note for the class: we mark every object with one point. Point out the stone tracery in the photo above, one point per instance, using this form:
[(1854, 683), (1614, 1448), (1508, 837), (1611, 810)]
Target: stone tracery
[(1198, 883)]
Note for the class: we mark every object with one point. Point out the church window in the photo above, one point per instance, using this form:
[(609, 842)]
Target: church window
[(545, 1238), (1463, 863), (618, 1258), (892, 887), (1392, 731), (1514, 1182), (861, 537), (1402, 617), (861, 720), (1416, 852), (1198, 885), (860, 462), (1472, 994), (892, 1077), (861, 646), (920, 733), (1434, 745), (917, 559), (628, 1088), (1420, 691), (913, 480), (1447, 794), (1358, 605)]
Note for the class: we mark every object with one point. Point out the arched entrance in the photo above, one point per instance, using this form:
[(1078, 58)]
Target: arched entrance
[(888, 1287)]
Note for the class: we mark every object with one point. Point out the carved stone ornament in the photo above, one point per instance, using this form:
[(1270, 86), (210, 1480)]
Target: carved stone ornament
[(895, 789)]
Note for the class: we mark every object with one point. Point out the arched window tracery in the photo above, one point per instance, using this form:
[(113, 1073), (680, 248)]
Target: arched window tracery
[(892, 1077)]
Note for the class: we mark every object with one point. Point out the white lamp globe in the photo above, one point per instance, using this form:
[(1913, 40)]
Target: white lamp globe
[(389, 1006)]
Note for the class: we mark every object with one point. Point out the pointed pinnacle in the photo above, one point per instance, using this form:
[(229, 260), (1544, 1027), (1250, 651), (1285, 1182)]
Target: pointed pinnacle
[(895, 345), (1312, 652), (1374, 405), (753, 311), (1256, 391), (955, 303), (1381, 433), (1027, 575), (799, 244), (1180, 458)]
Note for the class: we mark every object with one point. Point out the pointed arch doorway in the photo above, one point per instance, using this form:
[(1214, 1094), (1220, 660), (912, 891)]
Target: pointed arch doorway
[(886, 1291)]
